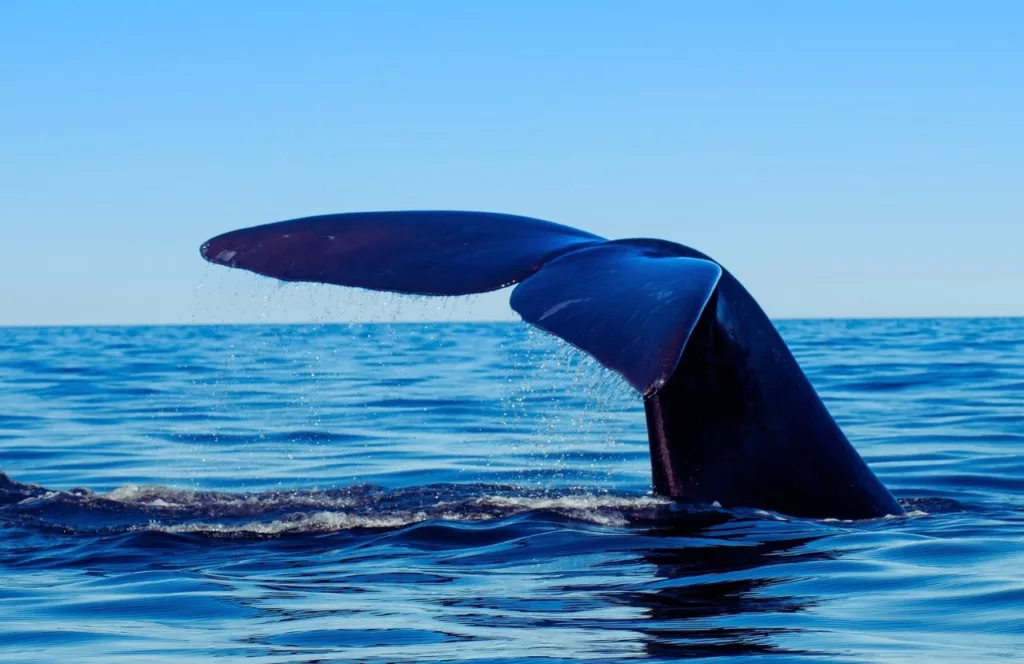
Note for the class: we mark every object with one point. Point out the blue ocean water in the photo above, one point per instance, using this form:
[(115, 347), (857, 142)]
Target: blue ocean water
[(479, 492)]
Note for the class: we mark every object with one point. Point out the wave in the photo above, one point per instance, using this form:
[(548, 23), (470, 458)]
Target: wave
[(177, 510), (152, 508)]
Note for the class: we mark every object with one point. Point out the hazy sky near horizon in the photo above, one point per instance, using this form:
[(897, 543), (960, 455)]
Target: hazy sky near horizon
[(841, 158)]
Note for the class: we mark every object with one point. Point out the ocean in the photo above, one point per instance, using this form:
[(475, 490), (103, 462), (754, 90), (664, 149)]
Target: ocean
[(480, 492)]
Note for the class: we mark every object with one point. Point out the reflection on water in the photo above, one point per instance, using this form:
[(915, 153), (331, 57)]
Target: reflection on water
[(609, 574), (690, 598)]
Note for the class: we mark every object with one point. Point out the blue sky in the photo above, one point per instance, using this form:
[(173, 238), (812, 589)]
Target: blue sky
[(841, 158)]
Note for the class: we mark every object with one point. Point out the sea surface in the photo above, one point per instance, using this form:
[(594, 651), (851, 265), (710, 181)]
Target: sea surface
[(479, 492)]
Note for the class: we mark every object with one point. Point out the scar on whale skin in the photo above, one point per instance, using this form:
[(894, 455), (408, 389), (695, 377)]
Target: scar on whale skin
[(731, 417)]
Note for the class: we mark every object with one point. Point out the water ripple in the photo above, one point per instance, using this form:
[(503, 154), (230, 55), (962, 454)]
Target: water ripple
[(401, 493)]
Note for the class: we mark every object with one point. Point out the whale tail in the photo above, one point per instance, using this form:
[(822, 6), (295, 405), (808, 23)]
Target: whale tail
[(731, 417), (630, 304)]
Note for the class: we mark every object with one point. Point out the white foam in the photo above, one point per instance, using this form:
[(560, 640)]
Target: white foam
[(317, 522), (906, 515), (49, 495), (771, 515), (602, 510), (166, 497), (579, 502), (313, 511)]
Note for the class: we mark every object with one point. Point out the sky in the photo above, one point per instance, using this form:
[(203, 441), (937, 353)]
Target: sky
[(842, 159)]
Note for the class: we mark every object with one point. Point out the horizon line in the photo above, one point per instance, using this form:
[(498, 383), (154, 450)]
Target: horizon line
[(496, 321)]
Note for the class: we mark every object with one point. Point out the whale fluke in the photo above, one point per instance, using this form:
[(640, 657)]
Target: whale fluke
[(731, 417), (419, 253), (632, 305)]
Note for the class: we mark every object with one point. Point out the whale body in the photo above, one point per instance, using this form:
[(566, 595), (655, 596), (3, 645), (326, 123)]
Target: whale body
[(731, 417)]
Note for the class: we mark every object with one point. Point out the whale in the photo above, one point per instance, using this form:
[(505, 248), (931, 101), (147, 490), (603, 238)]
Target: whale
[(732, 420)]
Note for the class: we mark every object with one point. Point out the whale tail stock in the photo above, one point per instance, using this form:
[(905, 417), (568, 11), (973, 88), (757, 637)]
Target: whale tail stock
[(680, 329)]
